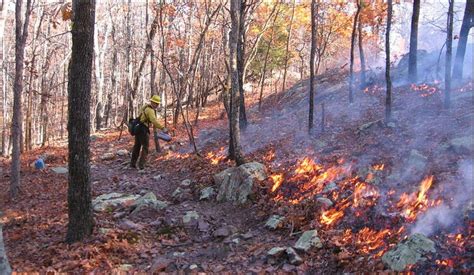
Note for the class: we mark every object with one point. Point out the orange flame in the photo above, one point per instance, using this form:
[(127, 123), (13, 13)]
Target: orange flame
[(307, 165), (369, 240), (365, 194), (277, 181), (412, 204)]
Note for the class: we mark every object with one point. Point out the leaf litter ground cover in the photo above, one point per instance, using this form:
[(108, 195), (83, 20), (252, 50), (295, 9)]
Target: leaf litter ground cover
[(363, 185)]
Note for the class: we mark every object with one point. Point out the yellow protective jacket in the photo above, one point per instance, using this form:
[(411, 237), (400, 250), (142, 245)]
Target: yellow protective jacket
[(148, 116)]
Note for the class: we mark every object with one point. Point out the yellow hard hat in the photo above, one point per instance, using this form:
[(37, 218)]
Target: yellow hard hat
[(155, 99)]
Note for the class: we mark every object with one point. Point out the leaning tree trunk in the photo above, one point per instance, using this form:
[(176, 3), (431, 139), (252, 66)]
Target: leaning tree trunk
[(467, 24), (21, 33), (353, 36), (412, 57), (235, 9), (81, 222), (311, 63), (4, 265), (388, 99), (449, 50)]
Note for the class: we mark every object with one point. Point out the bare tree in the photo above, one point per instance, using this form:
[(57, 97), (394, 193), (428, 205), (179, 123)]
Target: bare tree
[(467, 24), (388, 99), (449, 50), (235, 9), (412, 56), (314, 13), (81, 222), (353, 37), (21, 33)]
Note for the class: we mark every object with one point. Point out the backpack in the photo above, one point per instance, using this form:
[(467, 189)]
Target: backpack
[(134, 124)]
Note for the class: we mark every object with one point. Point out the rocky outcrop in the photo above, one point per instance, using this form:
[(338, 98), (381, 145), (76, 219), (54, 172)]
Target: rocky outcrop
[(408, 252), (236, 183)]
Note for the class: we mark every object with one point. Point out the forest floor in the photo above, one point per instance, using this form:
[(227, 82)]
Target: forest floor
[(226, 237)]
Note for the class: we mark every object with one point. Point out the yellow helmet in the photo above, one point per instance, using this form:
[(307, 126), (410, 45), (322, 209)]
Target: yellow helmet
[(155, 99)]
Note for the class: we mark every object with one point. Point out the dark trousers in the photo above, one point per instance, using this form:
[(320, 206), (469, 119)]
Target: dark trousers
[(141, 142)]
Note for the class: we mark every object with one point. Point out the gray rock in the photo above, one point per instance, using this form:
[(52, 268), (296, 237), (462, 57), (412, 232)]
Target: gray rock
[(107, 156), (224, 231), (146, 201), (102, 202), (308, 240), (276, 251), (177, 193), (122, 153), (60, 170), (325, 202), (186, 183), (193, 267), (206, 193), (274, 222), (189, 216), (4, 264), (469, 211), (391, 125), (408, 252), (293, 257), (462, 144), (235, 184), (330, 187), (203, 226)]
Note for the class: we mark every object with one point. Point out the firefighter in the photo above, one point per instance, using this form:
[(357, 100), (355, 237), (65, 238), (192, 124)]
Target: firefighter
[(147, 116)]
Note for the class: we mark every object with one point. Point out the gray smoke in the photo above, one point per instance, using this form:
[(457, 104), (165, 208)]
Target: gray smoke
[(443, 216)]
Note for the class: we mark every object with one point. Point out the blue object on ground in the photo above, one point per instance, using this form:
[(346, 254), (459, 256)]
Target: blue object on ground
[(164, 136), (39, 164)]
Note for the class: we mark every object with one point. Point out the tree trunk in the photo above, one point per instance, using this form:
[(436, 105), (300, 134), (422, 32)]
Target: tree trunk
[(290, 27), (412, 57), (21, 33), (388, 99), (81, 221), (241, 64), (235, 10), (4, 264), (449, 50), (314, 7), (361, 54), (467, 24), (353, 36)]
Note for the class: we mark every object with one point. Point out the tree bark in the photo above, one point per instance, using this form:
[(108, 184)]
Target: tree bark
[(467, 24), (361, 53), (235, 10), (353, 36), (314, 7), (21, 34), (388, 99), (81, 221), (241, 64), (449, 50), (290, 27), (412, 57)]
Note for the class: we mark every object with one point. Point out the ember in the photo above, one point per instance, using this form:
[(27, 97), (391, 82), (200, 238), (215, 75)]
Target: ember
[(425, 89)]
